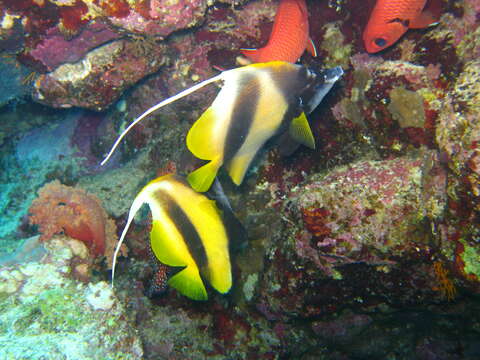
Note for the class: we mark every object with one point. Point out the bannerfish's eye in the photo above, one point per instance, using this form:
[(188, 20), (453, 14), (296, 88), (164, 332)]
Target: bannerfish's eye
[(380, 42)]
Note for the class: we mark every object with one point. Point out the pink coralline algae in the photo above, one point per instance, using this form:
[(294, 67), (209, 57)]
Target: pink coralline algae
[(162, 17), (55, 49), (368, 212), (101, 77)]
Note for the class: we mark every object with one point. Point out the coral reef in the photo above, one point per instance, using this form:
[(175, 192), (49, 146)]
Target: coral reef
[(63, 209), (15, 81), (46, 313), (55, 49), (362, 213), (101, 77), (366, 247)]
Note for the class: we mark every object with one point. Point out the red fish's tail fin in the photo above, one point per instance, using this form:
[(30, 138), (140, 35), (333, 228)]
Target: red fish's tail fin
[(311, 47), (252, 54), (429, 16)]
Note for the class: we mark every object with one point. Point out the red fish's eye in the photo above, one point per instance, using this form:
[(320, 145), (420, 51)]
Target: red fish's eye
[(380, 42)]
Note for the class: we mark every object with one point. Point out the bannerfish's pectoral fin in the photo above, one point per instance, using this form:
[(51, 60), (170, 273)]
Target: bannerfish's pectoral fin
[(311, 47), (300, 131)]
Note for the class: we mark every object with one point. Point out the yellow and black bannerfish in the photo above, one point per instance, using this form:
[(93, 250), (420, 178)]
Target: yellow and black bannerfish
[(254, 104), (190, 231)]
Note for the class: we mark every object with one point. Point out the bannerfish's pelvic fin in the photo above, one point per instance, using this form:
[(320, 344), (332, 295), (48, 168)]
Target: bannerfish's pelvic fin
[(238, 166), (236, 231), (300, 131), (156, 107)]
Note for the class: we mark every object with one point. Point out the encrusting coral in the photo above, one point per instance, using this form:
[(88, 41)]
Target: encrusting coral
[(78, 214)]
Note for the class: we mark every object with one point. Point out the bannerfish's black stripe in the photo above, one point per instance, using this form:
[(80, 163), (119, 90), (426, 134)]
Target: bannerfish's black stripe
[(185, 227), (291, 84), (243, 114)]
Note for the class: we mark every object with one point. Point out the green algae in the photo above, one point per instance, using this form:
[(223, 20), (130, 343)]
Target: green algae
[(336, 55), (471, 258), (407, 107)]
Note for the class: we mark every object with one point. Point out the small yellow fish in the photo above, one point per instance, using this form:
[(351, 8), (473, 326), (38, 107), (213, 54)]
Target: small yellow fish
[(189, 231)]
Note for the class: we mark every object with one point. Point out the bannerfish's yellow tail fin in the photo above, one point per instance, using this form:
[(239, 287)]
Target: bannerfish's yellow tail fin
[(200, 136), (202, 178)]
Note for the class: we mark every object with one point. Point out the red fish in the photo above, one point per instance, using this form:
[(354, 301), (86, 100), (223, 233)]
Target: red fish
[(289, 37), (390, 19)]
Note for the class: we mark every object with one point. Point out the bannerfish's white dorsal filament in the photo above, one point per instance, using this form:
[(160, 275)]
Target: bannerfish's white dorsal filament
[(136, 205), (158, 106)]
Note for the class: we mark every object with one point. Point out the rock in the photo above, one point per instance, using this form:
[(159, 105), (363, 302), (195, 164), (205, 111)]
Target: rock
[(101, 77), (46, 314)]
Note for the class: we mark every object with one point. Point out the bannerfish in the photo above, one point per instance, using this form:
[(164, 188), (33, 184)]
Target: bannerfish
[(289, 37), (190, 230), (256, 102), (390, 19)]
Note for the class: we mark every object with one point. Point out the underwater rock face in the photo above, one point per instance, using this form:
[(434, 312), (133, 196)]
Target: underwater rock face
[(55, 49), (359, 229), (49, 314), (99, 79), (15, 81), (162, 17), (382, 217), (366, 212)]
